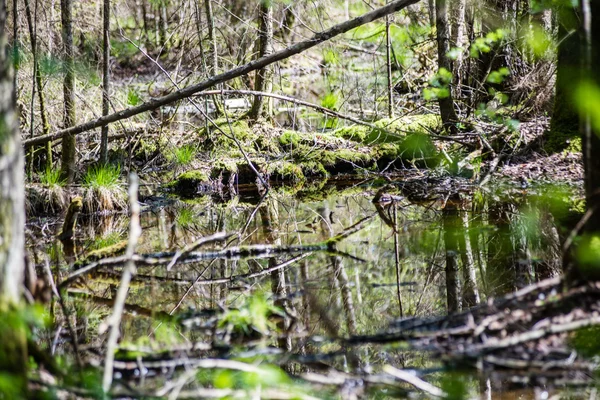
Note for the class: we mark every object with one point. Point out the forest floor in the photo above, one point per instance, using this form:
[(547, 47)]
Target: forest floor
[(534, 164)]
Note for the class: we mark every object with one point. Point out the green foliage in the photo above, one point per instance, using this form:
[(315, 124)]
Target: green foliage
[(588, 256), (253, 315), (16, 57), (186, 217), (586, 342), (104, 241), (486, 43), (498, 76), (290, 138), (102, 177), (10, 386), (49, 65), (455, 386), (133, 97), (330, 57), (330, 101), (439, 85), (123, 49), (535, 39), (587, 101), (51, 177), (183, 155), (267, 376)]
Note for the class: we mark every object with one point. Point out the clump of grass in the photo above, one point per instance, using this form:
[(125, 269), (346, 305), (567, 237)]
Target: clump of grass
[(103, 189), (48, 197), (51, 177), (102, 176), (183, 155)]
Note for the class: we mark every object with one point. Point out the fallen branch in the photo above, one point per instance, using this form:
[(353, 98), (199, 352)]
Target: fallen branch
[(262, 62)]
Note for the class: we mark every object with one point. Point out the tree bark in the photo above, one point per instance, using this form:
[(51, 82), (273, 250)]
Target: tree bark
[(38, 80), (69, 150), (447, 111), (13, 348), (188, 91), (105, 80), (564, 125), (451, 233), (263, 81)]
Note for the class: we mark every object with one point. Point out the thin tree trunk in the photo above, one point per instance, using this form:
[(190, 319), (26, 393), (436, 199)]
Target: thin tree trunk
[(263, 76), (564, 125), (198, 18), (38, 79), (144, 9), (457, 12), (13, 347), (470, 291), (213, 64), (162, 10), (431, 9), (590, 11), (388, 56), (447, 111), (15, 50), (69, 150), (105, 81), (450, 221), (270, 222)]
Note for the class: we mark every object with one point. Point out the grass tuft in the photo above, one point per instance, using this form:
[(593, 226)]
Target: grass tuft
[(102, 177), (51, 177), (183, 155), (103, 191)]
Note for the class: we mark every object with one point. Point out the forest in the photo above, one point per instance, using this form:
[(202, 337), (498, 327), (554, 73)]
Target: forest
[(310, 199)]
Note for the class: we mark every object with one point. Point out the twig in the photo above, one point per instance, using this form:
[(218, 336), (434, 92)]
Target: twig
[(415, 381), (135, 231), (219, 236)]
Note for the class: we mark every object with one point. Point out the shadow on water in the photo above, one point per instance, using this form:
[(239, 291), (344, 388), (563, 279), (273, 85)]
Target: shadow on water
[(298, 278)]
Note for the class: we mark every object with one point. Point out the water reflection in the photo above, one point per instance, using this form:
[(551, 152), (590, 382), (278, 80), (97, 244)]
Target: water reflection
[(421, 256)]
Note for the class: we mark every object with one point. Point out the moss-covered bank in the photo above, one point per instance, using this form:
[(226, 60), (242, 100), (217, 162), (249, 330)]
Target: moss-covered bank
[(292, 157)]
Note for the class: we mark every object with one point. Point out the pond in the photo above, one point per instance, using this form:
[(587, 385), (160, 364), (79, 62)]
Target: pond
[(308, 270)]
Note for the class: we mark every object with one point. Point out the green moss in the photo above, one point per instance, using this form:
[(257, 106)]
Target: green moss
[(286, 171), (288, 138), (108, 251), (392, 130), (187, 183), (574, 145), (236, 128)]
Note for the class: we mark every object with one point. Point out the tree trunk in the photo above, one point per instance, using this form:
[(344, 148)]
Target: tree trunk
[(500, 271), (388, 57), (451, 227), (447, 111), (69, 151), (162, 11), (590, 269), (13, 348), (457, 14), (38, 80), (144, 12), (564, 125), (105, 80), (265, 44), (470, 290)]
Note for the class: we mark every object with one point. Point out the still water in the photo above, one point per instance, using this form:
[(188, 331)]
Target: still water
[(414, 247)]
